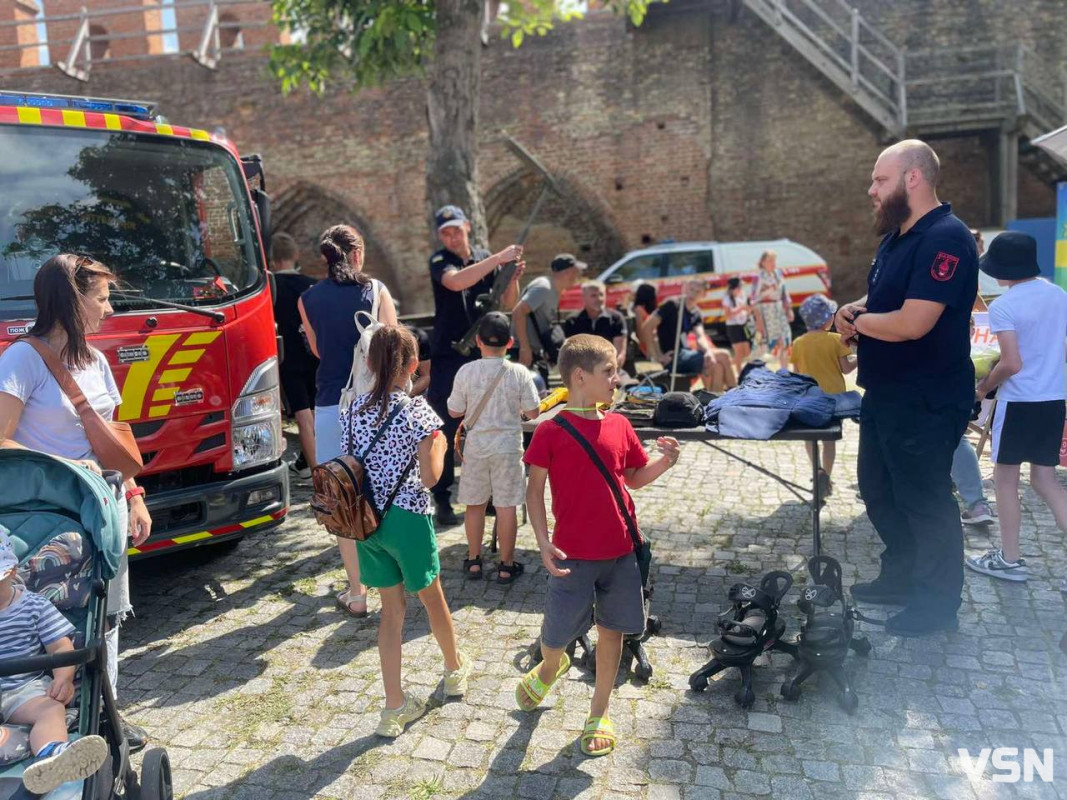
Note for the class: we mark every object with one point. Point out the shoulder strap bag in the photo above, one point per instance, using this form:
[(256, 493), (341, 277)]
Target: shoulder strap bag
[(113, 443), (465, 426), (642, 549)]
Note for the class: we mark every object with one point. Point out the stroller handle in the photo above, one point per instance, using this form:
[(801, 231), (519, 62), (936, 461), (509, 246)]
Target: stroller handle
[(71, 658)]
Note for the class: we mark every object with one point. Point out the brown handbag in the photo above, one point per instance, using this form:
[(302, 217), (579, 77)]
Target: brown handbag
[(113, 443), (465, 426)]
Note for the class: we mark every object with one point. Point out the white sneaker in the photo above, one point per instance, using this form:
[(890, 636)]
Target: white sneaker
[(394, 721), (995, 565), (73, 761)]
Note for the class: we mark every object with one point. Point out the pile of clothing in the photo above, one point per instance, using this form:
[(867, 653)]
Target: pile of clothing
[(765, 402)]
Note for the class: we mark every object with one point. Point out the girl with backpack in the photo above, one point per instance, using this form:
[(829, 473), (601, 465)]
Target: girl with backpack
[(399, 442), (327, 310)]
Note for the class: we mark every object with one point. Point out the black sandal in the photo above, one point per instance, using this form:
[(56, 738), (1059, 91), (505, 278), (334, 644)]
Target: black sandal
[(469, 563), (512, 571)]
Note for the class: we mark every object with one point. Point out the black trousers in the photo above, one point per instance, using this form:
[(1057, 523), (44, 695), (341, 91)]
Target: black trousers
[(442, 375), (905, 458)]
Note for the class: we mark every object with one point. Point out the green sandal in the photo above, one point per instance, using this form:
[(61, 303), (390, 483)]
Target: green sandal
[(598, 728), (531, 691)]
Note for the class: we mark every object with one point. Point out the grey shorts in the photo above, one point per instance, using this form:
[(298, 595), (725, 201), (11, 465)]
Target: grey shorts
[(17, 698), (611, 587)]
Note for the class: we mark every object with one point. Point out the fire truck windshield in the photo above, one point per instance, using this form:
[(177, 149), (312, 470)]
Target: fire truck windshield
[(169, 216)]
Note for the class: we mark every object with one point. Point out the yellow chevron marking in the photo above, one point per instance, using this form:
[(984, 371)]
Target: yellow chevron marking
[(204, 337), (112, 122), (185, 357), (174, 375), (29, 115), (166, 130), (202, 136), (140, 375), (159, 411), (133, 551), (75, 119), (256, 521), (191, 537), (164, 394)]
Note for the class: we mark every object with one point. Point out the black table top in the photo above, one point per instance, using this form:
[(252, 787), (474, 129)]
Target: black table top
[(792, 434)]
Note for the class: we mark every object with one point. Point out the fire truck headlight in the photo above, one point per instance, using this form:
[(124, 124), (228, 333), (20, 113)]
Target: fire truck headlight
[(257, 422)]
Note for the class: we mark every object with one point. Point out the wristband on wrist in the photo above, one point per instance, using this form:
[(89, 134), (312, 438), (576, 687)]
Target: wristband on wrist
[(136, 491)]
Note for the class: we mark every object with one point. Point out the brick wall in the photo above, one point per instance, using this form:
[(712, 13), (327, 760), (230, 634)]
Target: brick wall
[(698, 125), (25, 36)]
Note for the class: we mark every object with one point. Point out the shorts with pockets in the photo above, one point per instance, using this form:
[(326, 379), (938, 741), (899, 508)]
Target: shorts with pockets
[(611, 589), (690, 362), (736, 334), (1028, 432), (402, 550), (12, 701), (499, 475)]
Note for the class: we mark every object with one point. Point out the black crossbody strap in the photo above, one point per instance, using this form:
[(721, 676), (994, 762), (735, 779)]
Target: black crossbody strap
[(631, 524), (385, 426), (368, 488)]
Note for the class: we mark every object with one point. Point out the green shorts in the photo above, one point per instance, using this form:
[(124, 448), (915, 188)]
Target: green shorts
[(402, 550)]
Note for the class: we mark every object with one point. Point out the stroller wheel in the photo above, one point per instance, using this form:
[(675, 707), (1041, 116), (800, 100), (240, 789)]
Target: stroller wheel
[(155, 776), (861, 645), (589, 659), (698, 682), (654, 626), (745, 697), (791, 690), (643, 670)]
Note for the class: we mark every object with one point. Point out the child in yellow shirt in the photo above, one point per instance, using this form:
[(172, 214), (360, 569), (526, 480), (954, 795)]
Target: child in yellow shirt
[(822, 355)]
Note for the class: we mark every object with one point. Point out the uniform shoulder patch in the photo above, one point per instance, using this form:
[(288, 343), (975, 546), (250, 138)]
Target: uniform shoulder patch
[(944, 266), (437, 259)]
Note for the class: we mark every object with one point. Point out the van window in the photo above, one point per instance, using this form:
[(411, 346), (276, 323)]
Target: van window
[(639, 268), (744, 256), (693, 262), (795, 255)]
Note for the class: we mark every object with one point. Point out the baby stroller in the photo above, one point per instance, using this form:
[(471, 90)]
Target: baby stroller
[(64, 523)]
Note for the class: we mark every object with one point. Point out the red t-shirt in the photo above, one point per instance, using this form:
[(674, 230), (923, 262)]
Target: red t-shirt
[(589, 525)]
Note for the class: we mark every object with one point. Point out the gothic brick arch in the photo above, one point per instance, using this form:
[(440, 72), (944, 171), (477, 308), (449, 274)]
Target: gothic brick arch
[(574, 221), (304, 211)]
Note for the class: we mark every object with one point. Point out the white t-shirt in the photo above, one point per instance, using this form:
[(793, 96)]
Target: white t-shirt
[(1037, 311), (49, 422), (498, 428)]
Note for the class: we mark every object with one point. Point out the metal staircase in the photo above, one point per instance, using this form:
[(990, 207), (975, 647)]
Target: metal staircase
[(927, 93)]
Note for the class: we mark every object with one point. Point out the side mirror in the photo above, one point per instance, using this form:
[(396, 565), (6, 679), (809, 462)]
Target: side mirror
[(262, 201)]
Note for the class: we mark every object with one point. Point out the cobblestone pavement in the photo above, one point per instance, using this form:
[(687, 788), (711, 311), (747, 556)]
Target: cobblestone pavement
[(240, 664)]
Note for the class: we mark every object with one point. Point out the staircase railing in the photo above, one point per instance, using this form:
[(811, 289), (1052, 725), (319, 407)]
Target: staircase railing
[(981, 86), (847, 49)]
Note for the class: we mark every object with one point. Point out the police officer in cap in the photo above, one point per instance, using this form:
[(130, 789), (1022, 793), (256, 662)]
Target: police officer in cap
[(913, 333), (460, 271)]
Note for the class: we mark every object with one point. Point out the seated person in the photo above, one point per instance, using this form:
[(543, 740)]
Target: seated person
[(644, 305), (712, 364), (31, 626), (594, 318), (536, 313)]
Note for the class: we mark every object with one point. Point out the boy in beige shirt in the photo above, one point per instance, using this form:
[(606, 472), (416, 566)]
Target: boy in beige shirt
[(492, 453)]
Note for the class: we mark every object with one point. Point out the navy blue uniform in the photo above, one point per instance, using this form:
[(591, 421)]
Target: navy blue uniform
[(453, 317), (918, 399)]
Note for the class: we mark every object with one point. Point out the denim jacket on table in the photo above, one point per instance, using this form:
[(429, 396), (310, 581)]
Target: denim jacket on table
[(765, 402)]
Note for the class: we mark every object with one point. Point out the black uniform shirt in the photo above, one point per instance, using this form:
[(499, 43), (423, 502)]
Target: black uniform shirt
[(454, 311), (936, 260), (667, 330), (608, 325), (290, 285)]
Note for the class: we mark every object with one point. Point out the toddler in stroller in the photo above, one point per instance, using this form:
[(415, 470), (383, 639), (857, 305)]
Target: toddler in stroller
[(63, 528)]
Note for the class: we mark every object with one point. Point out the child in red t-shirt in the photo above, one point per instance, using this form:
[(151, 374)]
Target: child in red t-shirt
[(590, 557)]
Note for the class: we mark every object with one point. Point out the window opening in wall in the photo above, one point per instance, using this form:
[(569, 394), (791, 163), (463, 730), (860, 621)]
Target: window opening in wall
[(230, 34), (99, 43)]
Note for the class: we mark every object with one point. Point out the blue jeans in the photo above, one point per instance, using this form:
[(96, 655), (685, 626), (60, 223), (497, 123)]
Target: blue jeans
[(966, 475)]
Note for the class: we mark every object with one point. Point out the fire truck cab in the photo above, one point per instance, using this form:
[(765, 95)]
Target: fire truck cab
[(192, 341)]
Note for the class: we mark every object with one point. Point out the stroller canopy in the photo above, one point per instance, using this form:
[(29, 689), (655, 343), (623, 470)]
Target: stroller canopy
[(33, 481)]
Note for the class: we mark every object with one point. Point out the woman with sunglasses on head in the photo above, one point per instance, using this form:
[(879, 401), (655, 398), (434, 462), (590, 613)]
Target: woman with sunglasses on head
[(72, 293)]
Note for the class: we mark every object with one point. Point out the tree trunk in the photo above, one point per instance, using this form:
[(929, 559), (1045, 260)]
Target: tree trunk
[(452, 112)]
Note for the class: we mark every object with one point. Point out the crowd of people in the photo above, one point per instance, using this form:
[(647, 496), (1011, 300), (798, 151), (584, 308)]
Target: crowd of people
[(430, 407)]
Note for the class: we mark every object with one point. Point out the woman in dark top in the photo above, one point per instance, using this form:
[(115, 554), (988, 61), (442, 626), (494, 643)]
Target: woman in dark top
[(328, 310), (644, 304)]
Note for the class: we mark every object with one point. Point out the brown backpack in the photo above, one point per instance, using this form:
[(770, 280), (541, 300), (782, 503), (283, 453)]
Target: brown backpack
[(343, 498)]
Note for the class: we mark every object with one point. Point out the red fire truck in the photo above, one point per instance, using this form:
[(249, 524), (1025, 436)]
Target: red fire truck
[(192, 342)]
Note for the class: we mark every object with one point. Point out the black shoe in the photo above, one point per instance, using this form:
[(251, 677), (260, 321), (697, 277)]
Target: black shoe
[(914, 621), (136, 736), (880, 592), (445, 516)]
